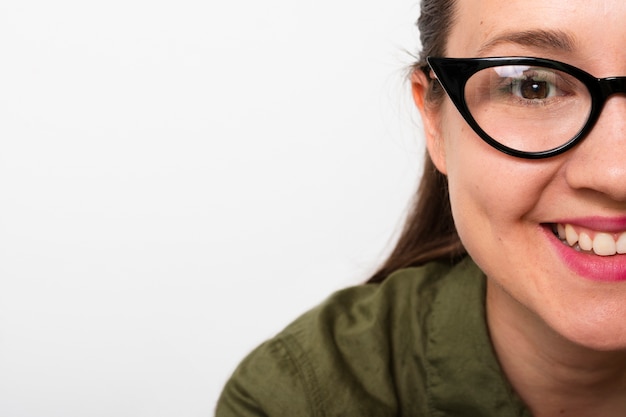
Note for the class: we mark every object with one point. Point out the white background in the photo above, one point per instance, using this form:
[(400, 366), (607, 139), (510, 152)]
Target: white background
[(180, 179)]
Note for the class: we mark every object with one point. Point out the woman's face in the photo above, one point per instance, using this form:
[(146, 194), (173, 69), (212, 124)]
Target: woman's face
[(506, 208)]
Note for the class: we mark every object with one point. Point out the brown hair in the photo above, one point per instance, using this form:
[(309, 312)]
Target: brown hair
[(428, 233)]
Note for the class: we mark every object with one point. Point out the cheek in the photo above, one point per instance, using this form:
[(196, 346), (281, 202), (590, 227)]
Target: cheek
[(493, 196), (479, 209)]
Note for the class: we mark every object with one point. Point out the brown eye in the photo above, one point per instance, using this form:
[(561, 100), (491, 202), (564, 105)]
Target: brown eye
[(534, 90)]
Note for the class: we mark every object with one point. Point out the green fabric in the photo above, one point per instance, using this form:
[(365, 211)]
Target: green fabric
[(415, 345)]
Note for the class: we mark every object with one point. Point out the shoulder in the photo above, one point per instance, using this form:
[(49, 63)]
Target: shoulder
[(352, 355)]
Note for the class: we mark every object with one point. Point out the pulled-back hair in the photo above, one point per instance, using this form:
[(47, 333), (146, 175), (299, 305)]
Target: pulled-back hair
[(429, 233)]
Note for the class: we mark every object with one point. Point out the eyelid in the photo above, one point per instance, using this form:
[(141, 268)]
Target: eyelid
[(511, 71)]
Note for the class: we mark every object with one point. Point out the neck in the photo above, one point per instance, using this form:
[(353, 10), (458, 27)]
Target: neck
[(553, 376)]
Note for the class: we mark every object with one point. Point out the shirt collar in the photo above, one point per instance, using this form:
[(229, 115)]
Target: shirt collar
[(463, 373)]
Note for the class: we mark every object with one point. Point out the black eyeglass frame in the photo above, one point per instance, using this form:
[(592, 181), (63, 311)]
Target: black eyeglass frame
[(453, 74)]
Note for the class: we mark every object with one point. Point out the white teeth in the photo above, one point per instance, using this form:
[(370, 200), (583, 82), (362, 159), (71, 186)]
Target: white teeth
[(604, 244), (620, 245), (570, 235), (585, 242)]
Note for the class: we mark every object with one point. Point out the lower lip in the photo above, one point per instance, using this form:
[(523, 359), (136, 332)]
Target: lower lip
[(593, 267)]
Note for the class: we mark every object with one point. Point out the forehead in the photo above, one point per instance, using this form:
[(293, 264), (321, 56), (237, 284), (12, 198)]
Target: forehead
[(587, 25)]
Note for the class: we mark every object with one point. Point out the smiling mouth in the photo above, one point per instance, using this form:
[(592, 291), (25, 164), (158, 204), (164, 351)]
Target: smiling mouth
[(590, 241)]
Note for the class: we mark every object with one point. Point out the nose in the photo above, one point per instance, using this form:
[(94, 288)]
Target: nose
[(598, 163)]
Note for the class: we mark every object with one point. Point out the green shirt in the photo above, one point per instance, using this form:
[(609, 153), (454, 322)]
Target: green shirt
[(415, 345)]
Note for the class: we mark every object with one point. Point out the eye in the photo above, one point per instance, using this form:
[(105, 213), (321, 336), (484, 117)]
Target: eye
[(531, 89), (536, 85), (522, 86)]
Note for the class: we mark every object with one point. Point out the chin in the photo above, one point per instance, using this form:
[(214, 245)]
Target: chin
[(608, 335)]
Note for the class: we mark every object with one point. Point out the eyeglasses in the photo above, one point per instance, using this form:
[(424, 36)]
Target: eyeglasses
[(526, 107)]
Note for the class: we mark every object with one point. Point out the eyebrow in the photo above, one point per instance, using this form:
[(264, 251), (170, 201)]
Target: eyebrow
[(538, 38)]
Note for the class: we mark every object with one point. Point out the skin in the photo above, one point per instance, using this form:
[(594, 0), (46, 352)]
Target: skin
[(560, 337)]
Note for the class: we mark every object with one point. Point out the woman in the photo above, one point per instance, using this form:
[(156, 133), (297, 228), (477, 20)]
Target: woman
[(526, 175)]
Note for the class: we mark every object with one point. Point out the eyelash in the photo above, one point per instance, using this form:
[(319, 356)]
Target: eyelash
[(555, 83)]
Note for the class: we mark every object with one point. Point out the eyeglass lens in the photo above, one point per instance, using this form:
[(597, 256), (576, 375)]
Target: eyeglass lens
[(528, 108)]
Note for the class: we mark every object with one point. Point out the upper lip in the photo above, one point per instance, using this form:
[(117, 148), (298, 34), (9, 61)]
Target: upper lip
[(597, 223)]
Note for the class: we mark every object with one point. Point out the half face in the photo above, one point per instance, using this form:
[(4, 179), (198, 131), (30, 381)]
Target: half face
[(550, 234)]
